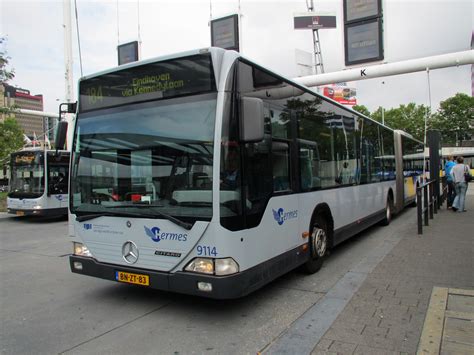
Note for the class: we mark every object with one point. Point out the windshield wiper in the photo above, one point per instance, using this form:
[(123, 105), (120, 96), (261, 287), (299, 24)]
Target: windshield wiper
[(155, 213), (87, 217)]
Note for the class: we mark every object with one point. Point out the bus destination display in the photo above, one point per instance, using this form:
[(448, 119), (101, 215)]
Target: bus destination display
[(184, 76)]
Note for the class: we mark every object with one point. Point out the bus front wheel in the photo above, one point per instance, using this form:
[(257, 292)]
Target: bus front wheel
[(318, 244)]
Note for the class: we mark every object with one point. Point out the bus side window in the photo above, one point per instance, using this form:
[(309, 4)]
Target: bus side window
[(281, 166), (279, 120), (309, 166)]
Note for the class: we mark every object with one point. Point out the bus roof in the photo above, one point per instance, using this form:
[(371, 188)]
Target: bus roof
[(220, 52), (155, 59)]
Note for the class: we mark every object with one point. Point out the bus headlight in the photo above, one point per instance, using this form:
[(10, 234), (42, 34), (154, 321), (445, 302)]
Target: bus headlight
[(201, 265), (226, 266), (81, 249), (218, 267)]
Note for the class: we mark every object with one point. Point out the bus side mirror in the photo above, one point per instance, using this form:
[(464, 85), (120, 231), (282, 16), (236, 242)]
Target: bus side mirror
[(61, 135), (251, 119)]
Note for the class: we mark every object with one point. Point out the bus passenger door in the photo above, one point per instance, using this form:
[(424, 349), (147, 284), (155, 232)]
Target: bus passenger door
[(58, 177)]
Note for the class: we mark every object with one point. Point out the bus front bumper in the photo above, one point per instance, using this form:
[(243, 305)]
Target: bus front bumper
[(50, 212), (223, 287)]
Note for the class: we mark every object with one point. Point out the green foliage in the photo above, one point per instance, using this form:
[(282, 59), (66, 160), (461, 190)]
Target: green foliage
[(455, 119), (5, 74), (409, 118), (362, 109), (11, 139)]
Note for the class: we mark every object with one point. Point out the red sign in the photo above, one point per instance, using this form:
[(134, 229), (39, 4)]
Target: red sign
[(340, 93)]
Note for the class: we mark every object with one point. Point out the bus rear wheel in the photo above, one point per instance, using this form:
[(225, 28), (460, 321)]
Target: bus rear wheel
[(319, 242), (388, 212)]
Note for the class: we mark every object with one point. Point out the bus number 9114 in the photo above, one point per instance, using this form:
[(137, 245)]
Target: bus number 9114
[(203, 250)]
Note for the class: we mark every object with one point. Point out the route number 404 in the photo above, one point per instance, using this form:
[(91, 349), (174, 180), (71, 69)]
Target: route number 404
[(206, 250), (94, 94)]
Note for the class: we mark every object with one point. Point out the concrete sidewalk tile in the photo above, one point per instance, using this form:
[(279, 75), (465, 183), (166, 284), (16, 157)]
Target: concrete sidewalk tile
[(340, 347), (323, 352), (366, 350), (410, 301), (323, 345), (388, 299), (381, 343), (458, 332), (347, 318), (344, 335), (371, 331), (461, 303), (355, 327), (430, 341)]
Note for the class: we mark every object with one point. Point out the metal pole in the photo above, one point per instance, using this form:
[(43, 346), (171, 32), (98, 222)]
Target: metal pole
[(425, 203), (419, 213), (382, 70), (432, 201), (241, 47), (315, 59), (69, 94), (445, 192), (68, 75)]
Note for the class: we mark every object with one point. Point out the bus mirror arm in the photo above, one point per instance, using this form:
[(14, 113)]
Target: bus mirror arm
[(251, 119), (61, 135)]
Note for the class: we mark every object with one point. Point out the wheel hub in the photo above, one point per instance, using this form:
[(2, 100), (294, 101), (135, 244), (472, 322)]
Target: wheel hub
[(319, 242)]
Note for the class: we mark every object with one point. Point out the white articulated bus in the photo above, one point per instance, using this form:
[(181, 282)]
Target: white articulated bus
[(466, 152), (38, 182), (204, 173)]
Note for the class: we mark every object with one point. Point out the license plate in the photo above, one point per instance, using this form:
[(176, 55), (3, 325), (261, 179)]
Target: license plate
[(136, 279), (20, 213)]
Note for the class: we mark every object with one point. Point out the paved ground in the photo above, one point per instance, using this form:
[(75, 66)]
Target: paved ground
[(45, 309), (370, 297), (449, 323), (387, 313)]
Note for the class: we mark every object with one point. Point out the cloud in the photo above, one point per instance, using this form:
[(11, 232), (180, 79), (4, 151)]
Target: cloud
[(412, 29)]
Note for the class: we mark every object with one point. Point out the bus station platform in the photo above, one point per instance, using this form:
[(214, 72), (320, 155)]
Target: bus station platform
[(419, 299)]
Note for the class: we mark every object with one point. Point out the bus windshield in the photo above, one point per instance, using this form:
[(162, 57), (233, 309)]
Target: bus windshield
[(27, 175), (153, 159)]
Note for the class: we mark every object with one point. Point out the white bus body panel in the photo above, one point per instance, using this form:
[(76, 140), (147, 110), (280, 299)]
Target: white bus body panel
[(349, 204), (41, 203), (105, 236), (283, 223)]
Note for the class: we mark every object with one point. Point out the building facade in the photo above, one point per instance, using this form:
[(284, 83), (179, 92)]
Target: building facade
[(23, 99)]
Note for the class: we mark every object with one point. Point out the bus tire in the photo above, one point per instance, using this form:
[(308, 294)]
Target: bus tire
[(318, 245), (388, 212)]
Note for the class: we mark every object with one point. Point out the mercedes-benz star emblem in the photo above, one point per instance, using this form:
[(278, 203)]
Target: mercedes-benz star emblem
[(129, 224), (130, 252)]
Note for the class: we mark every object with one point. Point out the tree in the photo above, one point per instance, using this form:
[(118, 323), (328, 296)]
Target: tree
[(455, 119), (5, 74), (11, 139), (11, 134), (362, 109), (409, 118)]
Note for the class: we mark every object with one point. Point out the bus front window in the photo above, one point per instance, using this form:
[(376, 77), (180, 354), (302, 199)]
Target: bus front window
[(27, 175), (152, 158)]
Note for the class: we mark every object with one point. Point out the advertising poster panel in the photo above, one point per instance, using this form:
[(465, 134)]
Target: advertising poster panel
[(341, 93)]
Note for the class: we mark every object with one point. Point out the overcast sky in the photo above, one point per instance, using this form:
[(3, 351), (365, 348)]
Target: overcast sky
[(412, 29)]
